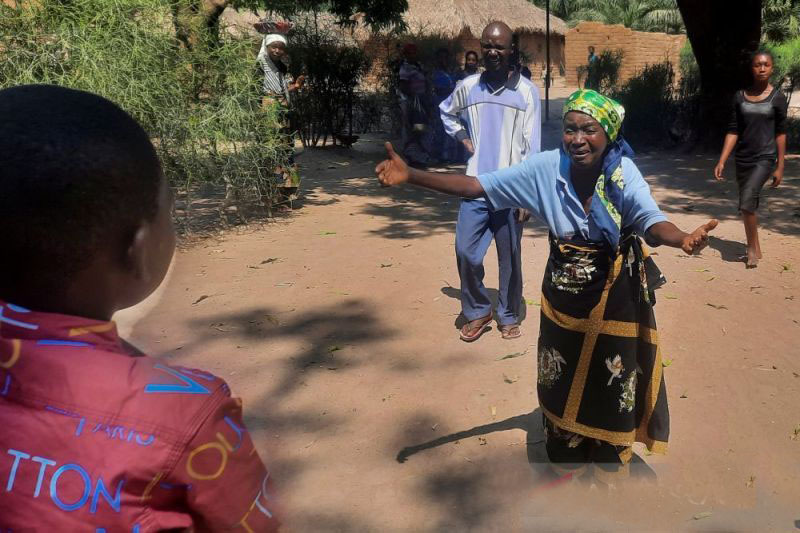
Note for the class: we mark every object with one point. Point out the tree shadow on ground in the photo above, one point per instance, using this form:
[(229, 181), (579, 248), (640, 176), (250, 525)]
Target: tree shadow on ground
[(410, 212), (464, 494), (686, 185), (323, 353)]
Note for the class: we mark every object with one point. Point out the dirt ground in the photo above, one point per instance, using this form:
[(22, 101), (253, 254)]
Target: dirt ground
[(336, 325)]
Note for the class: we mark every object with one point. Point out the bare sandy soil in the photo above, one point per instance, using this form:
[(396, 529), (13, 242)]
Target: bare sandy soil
[(336, 325)]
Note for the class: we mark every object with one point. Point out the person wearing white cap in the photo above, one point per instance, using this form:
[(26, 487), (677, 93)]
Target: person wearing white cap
[(277, 86)]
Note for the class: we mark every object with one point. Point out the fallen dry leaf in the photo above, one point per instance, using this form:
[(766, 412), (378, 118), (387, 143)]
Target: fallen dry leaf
[(334, 348), (684, 395), (715, 306), (670, 297), (511, 355), (750, 482), (270, 260), (796, 433), (387, 265), (700, 516), (712, 278), (482, 441), (493, 409), (510, 380), (666, 362), (327, 233)]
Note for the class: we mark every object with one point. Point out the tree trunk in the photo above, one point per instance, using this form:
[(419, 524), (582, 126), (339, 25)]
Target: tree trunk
[(723, 34)]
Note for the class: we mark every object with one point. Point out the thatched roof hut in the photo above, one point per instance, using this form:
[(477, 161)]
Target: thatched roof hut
[(452, 18)]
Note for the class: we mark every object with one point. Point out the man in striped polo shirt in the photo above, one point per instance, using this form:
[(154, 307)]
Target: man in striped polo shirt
[(502, 114)]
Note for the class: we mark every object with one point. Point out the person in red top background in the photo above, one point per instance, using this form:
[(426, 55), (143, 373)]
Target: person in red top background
[(95, 436)]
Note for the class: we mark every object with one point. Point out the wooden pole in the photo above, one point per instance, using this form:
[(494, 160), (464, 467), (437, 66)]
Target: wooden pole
[(547, 71)]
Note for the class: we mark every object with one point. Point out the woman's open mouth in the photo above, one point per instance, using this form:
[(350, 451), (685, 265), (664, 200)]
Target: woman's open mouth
[(580, 155)]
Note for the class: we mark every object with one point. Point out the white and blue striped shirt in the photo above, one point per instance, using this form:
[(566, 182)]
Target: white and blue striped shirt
[(505, 126)]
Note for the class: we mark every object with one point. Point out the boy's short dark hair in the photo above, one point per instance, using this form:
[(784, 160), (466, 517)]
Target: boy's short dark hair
[(77, 174), (471, 53)]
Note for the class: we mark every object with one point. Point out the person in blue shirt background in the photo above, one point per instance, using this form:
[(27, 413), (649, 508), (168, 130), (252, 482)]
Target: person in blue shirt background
[(443, 81)]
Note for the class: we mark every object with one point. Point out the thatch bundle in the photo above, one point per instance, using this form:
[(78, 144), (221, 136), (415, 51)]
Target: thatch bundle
[(451, 17)]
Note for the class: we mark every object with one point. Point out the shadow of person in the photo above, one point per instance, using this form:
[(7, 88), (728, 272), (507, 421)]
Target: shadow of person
[(731, 251), (532, 424)]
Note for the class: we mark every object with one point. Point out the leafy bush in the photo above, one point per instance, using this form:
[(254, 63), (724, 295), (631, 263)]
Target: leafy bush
[(649, 104), (787, 62), (333, 69), (200, 105), (606, 71)]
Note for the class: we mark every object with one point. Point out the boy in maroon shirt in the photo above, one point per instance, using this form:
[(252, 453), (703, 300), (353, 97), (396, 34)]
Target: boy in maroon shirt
[(96, 437)]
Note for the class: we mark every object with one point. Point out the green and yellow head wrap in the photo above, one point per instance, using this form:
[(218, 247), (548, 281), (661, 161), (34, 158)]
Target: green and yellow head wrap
[(609, 113)]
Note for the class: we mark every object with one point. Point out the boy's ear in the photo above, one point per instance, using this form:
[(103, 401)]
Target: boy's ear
[(136, 259)]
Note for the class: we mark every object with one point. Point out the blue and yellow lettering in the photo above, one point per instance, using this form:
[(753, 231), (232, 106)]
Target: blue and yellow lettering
[(197, 373), (18, 308), (87, 487), (17, 456), (79, 429), (17, 323), (239, 431), (189, 386), (6, 385), (263, 494), (44, 464), (99, 489), (54, 342), (146, 442)]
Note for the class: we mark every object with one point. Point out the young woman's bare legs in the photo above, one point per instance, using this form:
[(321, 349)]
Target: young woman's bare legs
[(750, 220)]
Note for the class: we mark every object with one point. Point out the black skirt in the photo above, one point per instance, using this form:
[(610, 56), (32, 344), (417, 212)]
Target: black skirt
[(751, 177), (599, 371)]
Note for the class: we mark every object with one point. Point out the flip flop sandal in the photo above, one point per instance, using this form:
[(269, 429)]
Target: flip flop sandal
[(510, 331), (477, 329)]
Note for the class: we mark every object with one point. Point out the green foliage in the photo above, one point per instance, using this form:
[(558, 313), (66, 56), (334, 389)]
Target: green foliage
[(641, 15), (333, 71), (780, 20), (605, 73), (199, 106), (787, 62), (649, 104), (377, 14)]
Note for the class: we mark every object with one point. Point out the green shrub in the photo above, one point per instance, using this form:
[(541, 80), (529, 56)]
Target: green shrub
[(606, 71), (787, 62), (333, 69), (649, 105), (199, 105)]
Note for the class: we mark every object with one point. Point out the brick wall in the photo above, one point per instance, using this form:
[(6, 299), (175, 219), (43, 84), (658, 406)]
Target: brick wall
[(640, 48)]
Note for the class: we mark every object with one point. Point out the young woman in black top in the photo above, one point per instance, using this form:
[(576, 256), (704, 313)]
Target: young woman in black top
[(757, 130)]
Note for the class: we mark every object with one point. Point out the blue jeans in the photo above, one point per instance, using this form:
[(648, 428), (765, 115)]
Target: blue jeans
[(477, 225)]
